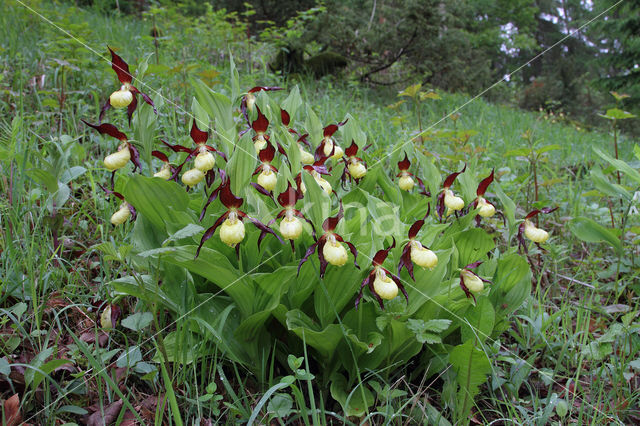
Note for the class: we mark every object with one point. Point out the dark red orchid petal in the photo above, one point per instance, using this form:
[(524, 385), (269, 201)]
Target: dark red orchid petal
[(133, 212), (229, 200), (131, 108), (323, 261), (261, 123), (176, 148), (440, 205), (545, 210), (415, 228), (261, 226), (309, 252), (464, 288), (332, 128), (198, 136), (473, 265), (265, 88), (452, 177), (318, 166), (522, 244), (381, 255), (264, 233), (289, 197), (104, 109), (135, 158), (120, 67), (368, 279), (423, 189), (145, 97), (111, 192), (404, 164), (211, 199), (405, 260), (352, 249), (245, 114), (108, 129), (116, 313), (373, 291), (261, 189), (482, 187), (398, 283), (160, 156), (301, 216), (331, 223), (285, 117), (267, 153), (220, 153), (209, 232), (210, 177), (282, 151), (352, 150), (304, 140)]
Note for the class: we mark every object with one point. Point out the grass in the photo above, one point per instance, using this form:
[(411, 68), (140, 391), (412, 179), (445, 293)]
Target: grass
[(574, 343)]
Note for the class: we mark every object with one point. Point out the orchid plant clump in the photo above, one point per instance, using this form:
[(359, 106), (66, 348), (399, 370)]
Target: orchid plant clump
[(321, 300)]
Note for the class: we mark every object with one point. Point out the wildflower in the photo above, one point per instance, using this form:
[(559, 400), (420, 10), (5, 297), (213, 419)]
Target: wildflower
[(232, 230), (204, 161), (109, 316), (415, 253), (381, 282), (125, 212), (354, 166), (249, 100), (290, 226), (485, 208), (260, 126), (528, 229), (267, 177), (126, 151), (167, 170), (305, 157), (329, 246), (470, 282), (316, 170), (447, 198), (125, 97), (328, 147), (406, 181)]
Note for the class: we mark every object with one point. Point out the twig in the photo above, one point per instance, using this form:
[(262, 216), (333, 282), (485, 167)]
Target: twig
[(573, 280)]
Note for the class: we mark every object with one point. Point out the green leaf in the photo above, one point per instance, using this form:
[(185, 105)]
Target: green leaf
[(147, 290), (427, 331), (471, 366), (324, 341), (137, 321), (588, 230), (616, 114), (620, 165), (606, 187), (354, 402), (188, 231), (478, 321), (241, 165), (473, 244), (37, 362), (317, 202), (292, 103), (157, 200)]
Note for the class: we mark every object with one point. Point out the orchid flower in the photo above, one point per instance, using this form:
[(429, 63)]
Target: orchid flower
[(485, 208), (316, 170), (415, 253), (354, 167), (470, 282), (328, 147), (447, 198), (126, 96), (329, 247), (126, 151), (204, 161), (249, 100), (531, 231), (124, 212), (305, 156), (267, 177), (290, 226), (406, 182), (230, 223), (167, 171), (381, 282)]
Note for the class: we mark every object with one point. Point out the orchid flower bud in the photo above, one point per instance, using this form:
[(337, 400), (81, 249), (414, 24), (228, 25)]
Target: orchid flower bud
[(472, 281), (164, 173), (305, 157), (406, 183), (232, 230), (334, 252), (357, 170), (534, 233), (192, 177), (121, 98), (260, 143), (118, 159), (422, 256), (121, 216), (324, 184), (291, 227), (105, 318), (251, 101), (384, 286), (204, 161), (453, 202), (267, 179), (486, 209)]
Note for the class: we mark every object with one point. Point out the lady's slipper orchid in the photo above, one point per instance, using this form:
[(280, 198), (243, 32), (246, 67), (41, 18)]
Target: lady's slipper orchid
[(290, 226), (249, 100), (267, 173), (232, 229), (447, 198), (260, 126), (328, 147), (126, 151), (381, 282), (305, 157), (485, 208), (125, 212), (470, 282), (167, 170), (204, 161), (415, 253), (329, 247), (354, 167), (531, 231), (126, 96), (316, 170), (406, 181)]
